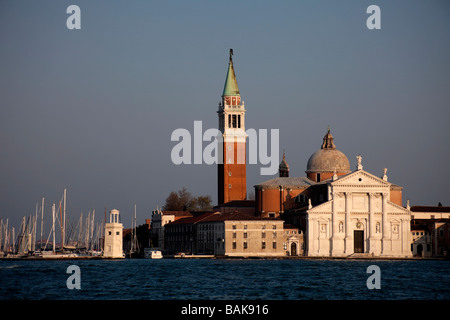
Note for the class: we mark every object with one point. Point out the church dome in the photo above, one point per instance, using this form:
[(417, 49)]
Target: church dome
[(327, 159)]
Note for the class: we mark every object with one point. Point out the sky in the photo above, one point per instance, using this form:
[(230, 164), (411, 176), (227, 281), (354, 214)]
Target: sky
[(92, 110)]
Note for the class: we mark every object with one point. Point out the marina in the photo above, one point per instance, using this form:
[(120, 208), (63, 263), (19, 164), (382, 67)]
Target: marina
[(82, 240)]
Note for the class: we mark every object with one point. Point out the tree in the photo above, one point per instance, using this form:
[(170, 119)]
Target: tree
[(172, 202), (183, 200), (204, 203)]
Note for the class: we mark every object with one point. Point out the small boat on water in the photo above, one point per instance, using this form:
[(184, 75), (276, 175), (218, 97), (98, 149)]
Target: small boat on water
[(151, 253)]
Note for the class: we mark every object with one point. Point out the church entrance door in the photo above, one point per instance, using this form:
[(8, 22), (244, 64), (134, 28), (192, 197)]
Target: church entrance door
[(419, 249), (293, 249), (358, 237)]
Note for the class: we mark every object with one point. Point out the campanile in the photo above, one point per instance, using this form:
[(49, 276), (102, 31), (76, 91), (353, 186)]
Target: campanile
[(232, 184)]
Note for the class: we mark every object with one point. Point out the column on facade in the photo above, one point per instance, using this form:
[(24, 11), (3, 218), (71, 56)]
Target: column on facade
[(348, 228), (371, 222), (309, 246), (406, 231), (384, 222), (334, 224)]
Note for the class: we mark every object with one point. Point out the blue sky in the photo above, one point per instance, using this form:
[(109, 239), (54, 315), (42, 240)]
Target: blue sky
[(92, 110)]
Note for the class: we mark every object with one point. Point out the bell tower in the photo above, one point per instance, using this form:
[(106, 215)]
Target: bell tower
[(232, 184)]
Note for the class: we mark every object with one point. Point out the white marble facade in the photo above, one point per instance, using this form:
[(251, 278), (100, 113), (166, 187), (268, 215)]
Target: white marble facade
[(358, 218)]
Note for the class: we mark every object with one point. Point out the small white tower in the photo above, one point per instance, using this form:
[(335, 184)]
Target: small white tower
[(113, 236)]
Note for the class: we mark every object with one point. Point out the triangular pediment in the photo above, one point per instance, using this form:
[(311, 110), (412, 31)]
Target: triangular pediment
[(323, 207), (360, 177)]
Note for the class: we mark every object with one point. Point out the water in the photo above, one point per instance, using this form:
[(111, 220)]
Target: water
[(205, 279)]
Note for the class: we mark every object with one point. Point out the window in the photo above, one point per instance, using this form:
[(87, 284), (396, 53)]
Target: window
[(301, 198), (229, 186), (109, 233), (234, 235), (263, 245), (274, 245), (229, 173), (263, 235), (234, 244), (274, 234), (274, 226), (234, 121), (245, 244), (264, 227), (245, 227), (245, 234), (229, 121), (239, 121), (318, 177), (234, 227), (117, 233)]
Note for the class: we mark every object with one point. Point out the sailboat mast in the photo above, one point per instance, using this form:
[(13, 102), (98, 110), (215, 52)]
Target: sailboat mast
[(53, 221), (1, 234), (61, 223), (80, 230), (7, 236), (33, 247), (135, 237), (14, 239), (91, 240), (42, 220), (64, 219)]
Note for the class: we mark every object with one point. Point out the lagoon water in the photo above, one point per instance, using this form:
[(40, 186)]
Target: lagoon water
[(223, 279)]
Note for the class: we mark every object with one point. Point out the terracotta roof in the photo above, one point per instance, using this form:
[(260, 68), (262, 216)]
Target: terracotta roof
[(287, 182), (193, 219), (177, 213), (239, 203), (236, 215), (430, 209)]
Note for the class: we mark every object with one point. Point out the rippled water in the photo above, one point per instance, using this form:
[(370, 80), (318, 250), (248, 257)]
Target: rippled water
[(199, 279)]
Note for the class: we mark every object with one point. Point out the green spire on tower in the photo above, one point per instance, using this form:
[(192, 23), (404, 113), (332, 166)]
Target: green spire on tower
[(231, 87)]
